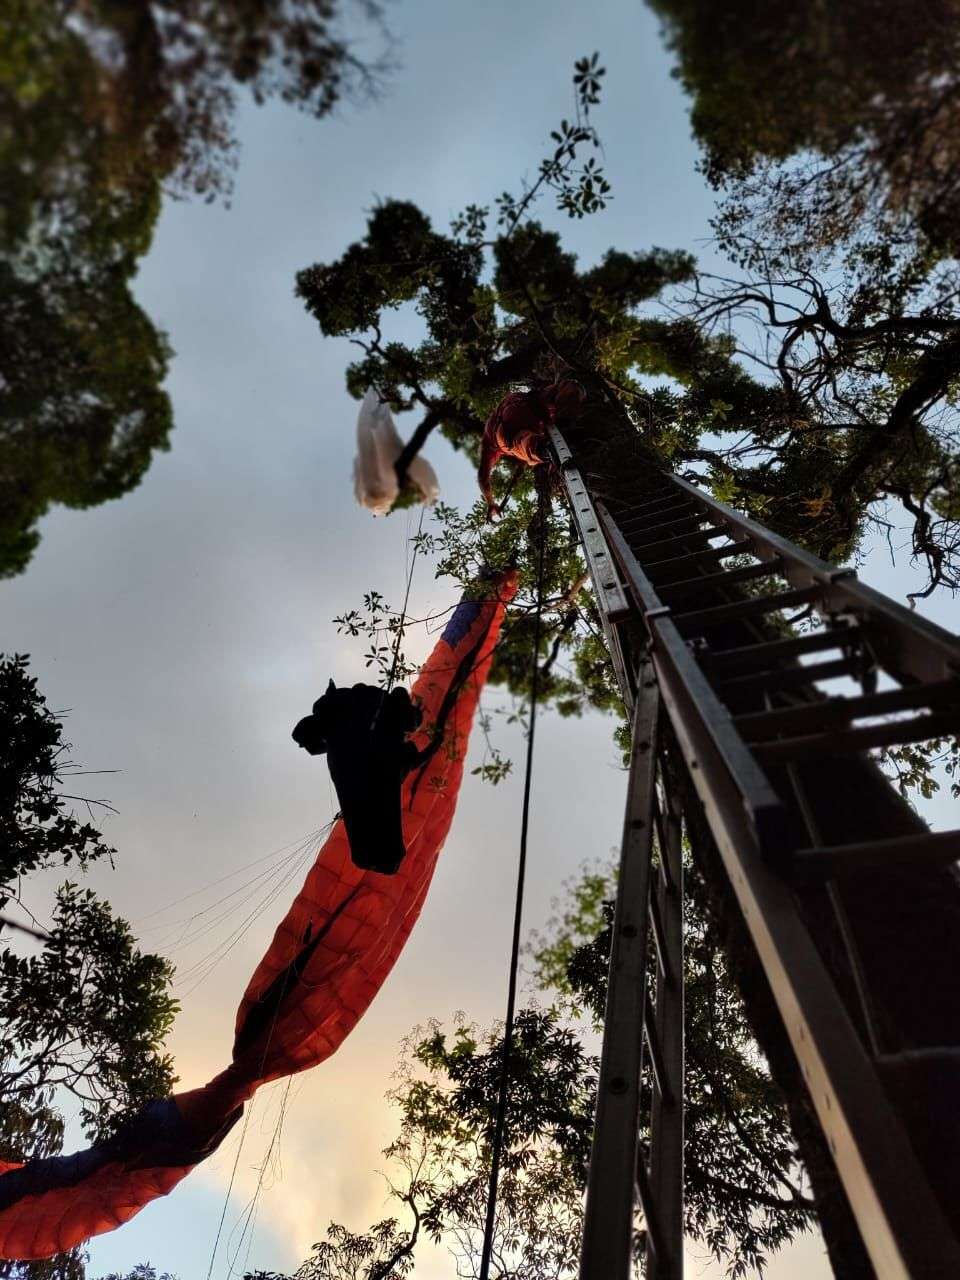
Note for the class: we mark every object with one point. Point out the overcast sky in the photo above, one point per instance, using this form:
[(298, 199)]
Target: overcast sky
[(188, 626)]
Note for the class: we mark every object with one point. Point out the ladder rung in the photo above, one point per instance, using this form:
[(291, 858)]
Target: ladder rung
[(667, 493), (928, 847), (827, 712), (645, 1194), (659, 936), (725, 578), (684, 539), (699, 557), (792, 677), (667, 1092), (694, 519), (703, 619), (893, 733), (769, 652), (635, 523)]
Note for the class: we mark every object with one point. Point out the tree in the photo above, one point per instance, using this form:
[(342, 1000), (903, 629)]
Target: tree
[(84, 1015), (503, 311), (745, 1194), (165, 77), (81, 367), (830, 130), (866, 95), (142, 1272), (512, 307), (37, 830), (98, 116)]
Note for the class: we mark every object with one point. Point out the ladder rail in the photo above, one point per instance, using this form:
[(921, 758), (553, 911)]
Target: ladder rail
[(883, 1179), (916, 646), (612, 602), (607, 1247), (900, 1219), (666, 1120)]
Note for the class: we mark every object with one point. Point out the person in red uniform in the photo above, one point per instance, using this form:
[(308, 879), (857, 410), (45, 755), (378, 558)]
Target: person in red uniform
[(517, 428)]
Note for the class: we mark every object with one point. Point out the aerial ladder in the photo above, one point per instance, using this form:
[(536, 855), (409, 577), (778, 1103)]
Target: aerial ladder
[(758, 678)]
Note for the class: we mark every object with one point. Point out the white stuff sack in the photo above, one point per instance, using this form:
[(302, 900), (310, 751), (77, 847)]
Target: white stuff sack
[(378, 447)]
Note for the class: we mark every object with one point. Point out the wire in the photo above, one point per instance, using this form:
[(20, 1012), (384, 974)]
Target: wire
[(226, 1199), (250, 1214), (401, 625), (248, 1111), (499, 1130)]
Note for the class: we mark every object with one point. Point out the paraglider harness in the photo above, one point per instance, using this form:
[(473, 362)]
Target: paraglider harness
[(363, 731)]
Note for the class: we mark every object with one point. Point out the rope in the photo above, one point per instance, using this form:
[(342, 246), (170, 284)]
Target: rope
[(248, 1110), (406, 601), (226, 1198), (499, 1131), (401, 625)]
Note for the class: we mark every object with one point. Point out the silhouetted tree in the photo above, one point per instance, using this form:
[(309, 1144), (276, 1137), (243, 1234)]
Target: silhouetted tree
[(83, 1014), (831, 131), (866, 95), (100, 111), (507, 305)]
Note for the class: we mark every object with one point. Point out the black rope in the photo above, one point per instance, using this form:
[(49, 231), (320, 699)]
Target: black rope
[(499, 1130), (401, 625)]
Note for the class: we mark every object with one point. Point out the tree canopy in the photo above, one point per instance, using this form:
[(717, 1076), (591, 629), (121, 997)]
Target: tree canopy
[(867, 93), (831, 131), (98, 117), (506, 310), (745, 1193), (81, 366), (83, 1016)]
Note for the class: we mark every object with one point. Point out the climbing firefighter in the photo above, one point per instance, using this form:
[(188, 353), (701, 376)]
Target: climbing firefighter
[(517, 428)]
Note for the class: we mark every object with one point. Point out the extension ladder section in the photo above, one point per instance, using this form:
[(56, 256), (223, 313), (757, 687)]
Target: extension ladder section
[(761, 675)]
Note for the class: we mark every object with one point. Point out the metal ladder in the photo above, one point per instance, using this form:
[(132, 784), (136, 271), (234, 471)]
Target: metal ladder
[(721, 693)]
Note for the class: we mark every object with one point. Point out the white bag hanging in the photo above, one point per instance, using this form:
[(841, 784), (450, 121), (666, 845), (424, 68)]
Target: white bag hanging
[(378, 447)]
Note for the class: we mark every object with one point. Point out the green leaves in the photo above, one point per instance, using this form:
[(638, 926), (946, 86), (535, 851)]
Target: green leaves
[(587, 76), (37, 828), (88, 1013), (383, 629)]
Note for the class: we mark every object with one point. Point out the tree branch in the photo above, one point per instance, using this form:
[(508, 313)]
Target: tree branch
[(415, 444)]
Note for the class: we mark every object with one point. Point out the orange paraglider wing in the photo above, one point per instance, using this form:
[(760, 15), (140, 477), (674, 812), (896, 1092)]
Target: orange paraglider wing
[(329, 957)]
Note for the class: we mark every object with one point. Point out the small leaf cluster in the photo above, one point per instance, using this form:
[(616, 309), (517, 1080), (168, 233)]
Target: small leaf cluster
[(37, 829), (384, 629)]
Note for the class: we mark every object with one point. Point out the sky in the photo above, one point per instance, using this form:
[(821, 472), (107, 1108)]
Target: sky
[(188, 626)]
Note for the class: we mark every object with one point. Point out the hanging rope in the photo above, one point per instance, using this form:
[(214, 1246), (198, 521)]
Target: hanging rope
[(401, 625), (499, 1131)]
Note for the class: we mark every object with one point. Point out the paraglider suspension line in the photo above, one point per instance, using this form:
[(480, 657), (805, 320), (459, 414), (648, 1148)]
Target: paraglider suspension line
[(499, 1131), (406, 601)]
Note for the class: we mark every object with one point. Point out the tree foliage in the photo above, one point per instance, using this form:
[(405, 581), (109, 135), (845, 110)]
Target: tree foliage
[(866, 94), (832, 133), (101, 110), (745, 1193), (37, 829), (84, 1015), (159, 83), (503, 304), (81, 367)]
